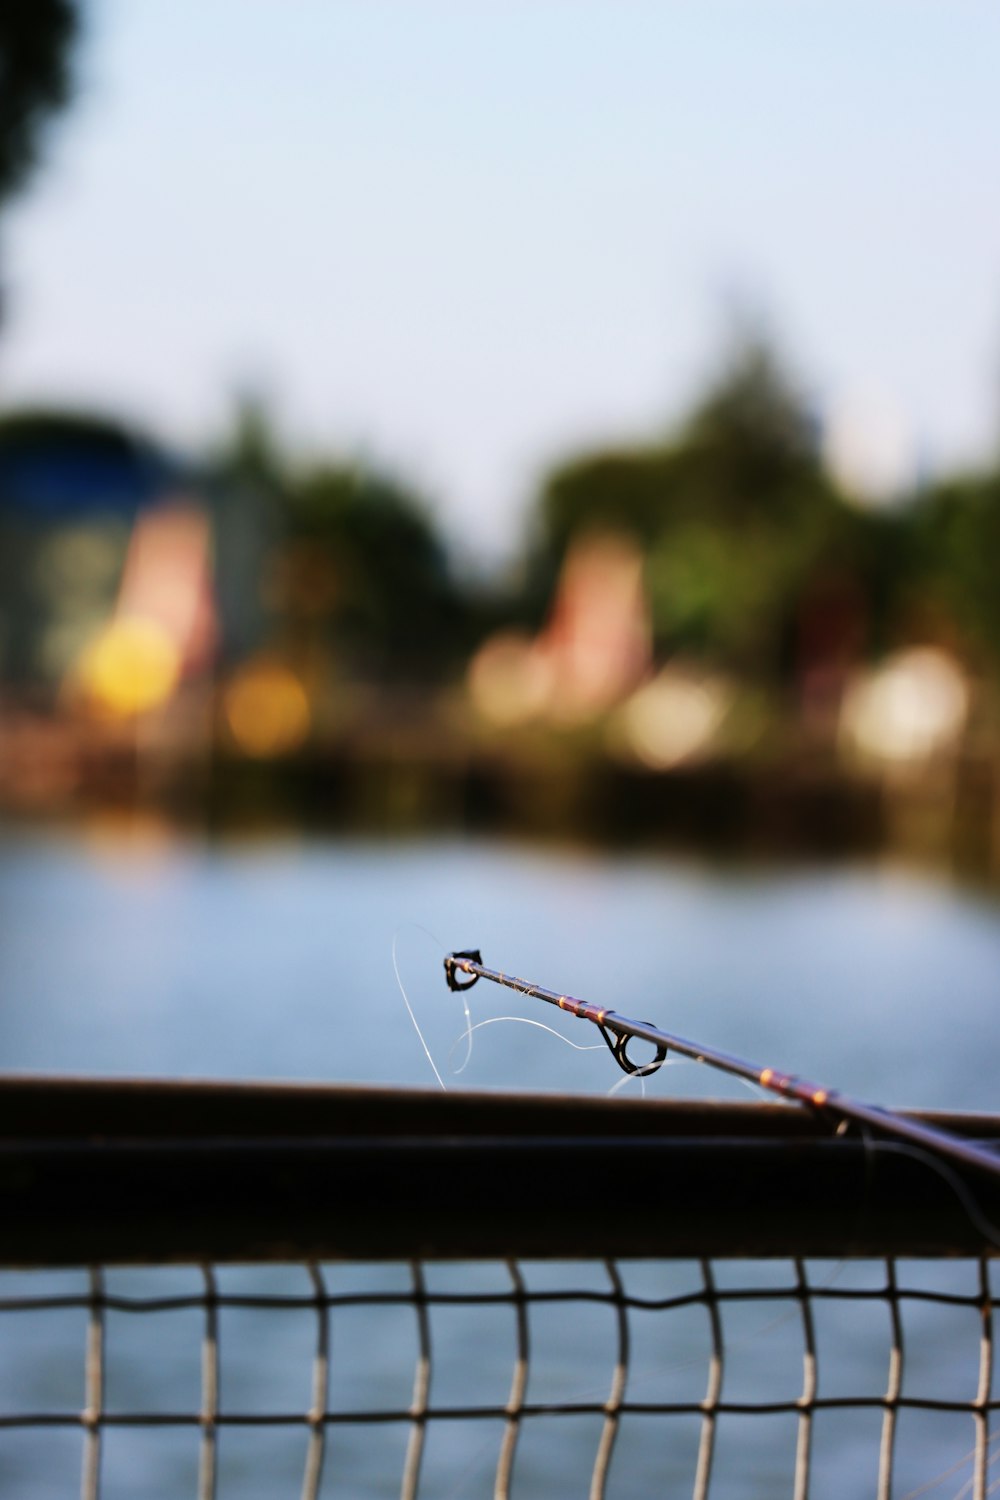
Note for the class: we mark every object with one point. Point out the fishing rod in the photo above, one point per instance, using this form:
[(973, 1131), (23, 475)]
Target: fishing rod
[(618, 1031)]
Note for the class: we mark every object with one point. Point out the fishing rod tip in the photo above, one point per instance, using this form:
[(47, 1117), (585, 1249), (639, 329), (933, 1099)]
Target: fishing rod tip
[(459, 961)]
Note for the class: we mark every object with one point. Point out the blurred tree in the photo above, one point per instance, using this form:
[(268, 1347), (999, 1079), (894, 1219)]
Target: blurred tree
[(951, 582), (748, 449), (735, 515), (36, 40), (245, 479), (364, 563), (250, 454), (753, 438), (351, 567)]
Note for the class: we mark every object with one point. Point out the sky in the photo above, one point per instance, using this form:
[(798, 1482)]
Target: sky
[(463, 239)]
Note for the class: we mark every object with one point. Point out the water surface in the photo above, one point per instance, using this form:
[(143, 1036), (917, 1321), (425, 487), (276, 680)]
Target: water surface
[(275, 960)]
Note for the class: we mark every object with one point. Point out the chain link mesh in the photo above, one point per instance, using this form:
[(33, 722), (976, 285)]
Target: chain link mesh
[(520, 1379)]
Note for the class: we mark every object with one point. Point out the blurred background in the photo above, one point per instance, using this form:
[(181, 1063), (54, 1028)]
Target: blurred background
[(498, 475), (424, 428)]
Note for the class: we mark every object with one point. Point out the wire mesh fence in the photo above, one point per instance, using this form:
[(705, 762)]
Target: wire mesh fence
[(222, 1292), (500, 1378)]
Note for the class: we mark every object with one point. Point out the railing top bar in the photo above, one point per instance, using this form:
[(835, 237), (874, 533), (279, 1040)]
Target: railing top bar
[(127, 1170), (38, 1106), (114, 1201)]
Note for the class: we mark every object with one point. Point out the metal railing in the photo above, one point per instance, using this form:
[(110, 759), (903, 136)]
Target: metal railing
[(260, 1290)]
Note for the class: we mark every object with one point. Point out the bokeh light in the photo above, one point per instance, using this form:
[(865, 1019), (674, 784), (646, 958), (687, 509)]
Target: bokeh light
[(674, 718), (510, 679), (267, 708), (910, 708), (131, 667)]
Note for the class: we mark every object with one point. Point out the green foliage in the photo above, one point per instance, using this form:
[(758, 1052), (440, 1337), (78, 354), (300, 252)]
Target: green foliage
[(717, 599), (734, 516), (756, 561), (251, 457), (746, 452), (358, 566), (955, 549), (751, 441), (377, 563)]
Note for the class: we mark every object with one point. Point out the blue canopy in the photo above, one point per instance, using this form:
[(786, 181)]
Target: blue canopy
[(55, 468)]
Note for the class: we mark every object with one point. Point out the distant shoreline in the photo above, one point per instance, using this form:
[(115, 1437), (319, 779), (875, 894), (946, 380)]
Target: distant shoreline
[(800, 806)]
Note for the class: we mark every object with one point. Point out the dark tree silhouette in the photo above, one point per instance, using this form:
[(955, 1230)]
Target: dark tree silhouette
[(36, 38), (733, 514), (366, 550)]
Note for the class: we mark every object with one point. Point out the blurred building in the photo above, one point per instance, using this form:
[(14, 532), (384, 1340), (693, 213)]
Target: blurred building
[(71, 490), (122, 570), (595, 647)]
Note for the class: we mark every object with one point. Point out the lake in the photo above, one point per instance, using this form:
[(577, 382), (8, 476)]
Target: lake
[(167, 956)]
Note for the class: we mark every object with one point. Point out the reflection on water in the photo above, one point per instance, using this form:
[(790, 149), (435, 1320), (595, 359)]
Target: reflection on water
[(276, 960)]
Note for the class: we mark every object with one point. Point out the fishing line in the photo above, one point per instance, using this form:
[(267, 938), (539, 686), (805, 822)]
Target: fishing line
[(960, 1188), (959, 1463), (991, 1233), (471, 1027), (416, 926), (871, 1149), (623, 1083), (619, 1030), (932, 1484), (616, 1031), (466, 1036), (925, 1143), (638, 1074), (928, 1144), (473, 1465), (637, 1378), (759, 1094), (637, 1077), (978, 1220)]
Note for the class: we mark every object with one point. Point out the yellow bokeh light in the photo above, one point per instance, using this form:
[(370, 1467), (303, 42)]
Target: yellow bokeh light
[(267, 709), (132, 667)]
